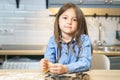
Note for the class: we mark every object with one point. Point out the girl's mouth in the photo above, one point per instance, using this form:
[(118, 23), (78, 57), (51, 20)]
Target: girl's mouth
[(68, 27)]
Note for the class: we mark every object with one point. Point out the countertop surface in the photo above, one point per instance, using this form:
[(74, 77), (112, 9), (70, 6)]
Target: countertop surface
[(22, 52), (116, 53), (41, 52), (37, 75)]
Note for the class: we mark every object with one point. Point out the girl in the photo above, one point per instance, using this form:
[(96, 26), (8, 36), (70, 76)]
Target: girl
[(69, 50)]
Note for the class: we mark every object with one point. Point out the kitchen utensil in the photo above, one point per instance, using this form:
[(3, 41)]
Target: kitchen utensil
[(118, 34), (118, 30)]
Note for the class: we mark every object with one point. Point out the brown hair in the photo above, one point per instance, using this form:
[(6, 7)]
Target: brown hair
[(82, 27)]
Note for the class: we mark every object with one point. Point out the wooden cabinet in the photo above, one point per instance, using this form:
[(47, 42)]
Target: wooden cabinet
[(115, 2), (107, 2), (95, 1), (60, 2), (86, 3)]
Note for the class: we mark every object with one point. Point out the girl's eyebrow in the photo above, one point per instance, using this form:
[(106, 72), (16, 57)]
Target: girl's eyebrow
[(67, 15)]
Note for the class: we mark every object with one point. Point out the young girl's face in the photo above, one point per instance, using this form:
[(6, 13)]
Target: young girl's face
[(68, 22)]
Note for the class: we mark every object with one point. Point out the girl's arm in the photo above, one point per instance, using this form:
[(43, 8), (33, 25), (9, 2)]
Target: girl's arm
[(84, 60), (50, 53)]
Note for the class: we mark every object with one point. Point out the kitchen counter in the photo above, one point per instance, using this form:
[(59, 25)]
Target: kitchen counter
[(41, 52), (107, 53), (22, 52), (37, 75)]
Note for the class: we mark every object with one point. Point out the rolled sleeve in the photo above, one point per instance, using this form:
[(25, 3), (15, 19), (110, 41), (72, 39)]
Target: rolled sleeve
[(50, 50), (84, 60)]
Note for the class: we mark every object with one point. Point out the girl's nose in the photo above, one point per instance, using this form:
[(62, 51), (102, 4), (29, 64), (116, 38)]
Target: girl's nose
[(69, 21)]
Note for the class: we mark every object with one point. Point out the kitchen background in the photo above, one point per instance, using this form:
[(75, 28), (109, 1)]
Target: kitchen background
[(28, 24), (31, 24)]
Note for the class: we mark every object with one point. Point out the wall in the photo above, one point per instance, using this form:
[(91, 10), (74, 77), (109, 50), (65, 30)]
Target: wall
[(109, 26), (31, 24), (28, 24)]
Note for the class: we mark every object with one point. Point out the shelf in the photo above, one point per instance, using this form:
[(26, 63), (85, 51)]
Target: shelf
[(110, 12)]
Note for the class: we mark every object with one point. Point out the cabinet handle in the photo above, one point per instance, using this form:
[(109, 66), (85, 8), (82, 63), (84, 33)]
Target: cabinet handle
[(111, 1), (81, 1), (106, 1)]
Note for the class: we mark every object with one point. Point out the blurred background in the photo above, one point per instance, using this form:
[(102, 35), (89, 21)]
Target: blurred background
[(26, 26)]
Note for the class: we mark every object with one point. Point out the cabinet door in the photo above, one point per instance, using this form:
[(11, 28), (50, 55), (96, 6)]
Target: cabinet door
[(95, 1), (115, 2), (58, 2)]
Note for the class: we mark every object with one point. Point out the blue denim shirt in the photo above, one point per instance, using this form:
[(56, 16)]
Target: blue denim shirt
[(78, 61)]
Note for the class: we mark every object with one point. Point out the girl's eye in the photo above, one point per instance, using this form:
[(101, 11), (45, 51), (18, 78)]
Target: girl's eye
[(64, 17), (74, 19)]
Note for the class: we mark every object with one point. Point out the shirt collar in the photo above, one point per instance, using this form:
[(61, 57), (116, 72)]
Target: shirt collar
[(60, 41)]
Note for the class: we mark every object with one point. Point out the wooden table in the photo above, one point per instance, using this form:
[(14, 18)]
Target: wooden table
[(104, 74), (37, 75)]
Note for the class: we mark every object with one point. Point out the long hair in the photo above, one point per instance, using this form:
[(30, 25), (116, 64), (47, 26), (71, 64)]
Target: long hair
[(81, 29)]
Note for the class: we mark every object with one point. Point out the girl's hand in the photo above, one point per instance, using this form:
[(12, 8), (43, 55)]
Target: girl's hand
[(44, 66), (58, 68)]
